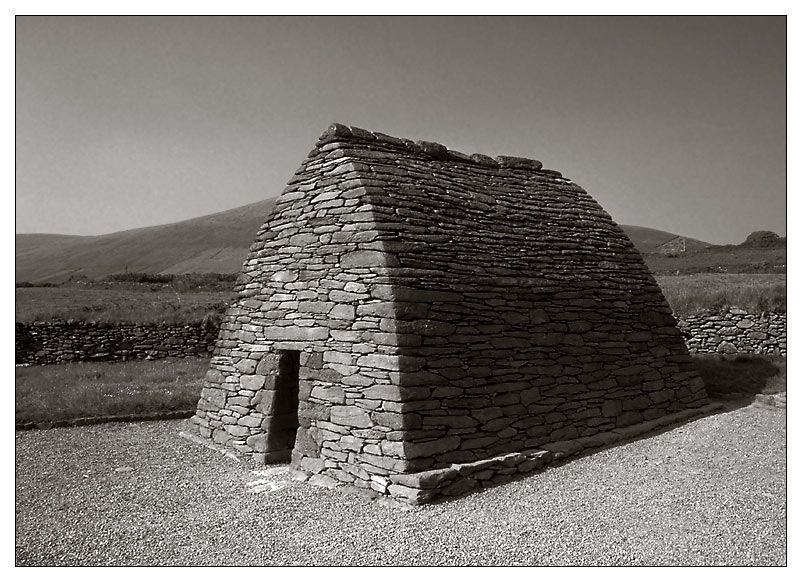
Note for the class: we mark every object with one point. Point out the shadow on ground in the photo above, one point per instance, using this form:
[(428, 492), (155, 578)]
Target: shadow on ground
[(736, 381)]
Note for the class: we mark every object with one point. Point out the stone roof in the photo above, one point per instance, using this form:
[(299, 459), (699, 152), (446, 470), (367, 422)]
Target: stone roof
[(437, 209), (338, 132)]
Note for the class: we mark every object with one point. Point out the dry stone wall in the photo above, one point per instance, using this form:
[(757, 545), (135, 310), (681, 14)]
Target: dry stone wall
[(59, 342), (407, 308), (736, 331)]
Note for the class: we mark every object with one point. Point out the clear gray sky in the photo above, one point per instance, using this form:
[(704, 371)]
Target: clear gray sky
[(674, 123)]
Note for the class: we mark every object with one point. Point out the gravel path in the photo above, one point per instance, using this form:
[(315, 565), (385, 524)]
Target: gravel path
[(710, 492)]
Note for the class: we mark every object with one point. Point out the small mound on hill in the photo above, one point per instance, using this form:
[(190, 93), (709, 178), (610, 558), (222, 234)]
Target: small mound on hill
[(763, 239)]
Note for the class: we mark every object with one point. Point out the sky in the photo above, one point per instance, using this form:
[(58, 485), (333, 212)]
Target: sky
[(673, 123)]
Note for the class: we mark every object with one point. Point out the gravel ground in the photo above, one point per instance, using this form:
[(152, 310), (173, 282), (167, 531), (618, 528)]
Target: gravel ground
[(711, 492)]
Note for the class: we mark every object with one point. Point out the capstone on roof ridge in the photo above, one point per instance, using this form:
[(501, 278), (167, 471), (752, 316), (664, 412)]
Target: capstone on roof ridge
[(344, 133)]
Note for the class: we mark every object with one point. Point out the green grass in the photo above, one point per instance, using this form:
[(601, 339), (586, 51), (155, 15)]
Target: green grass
[(118, 303), (77, 390), (744, 375), (45, 394), (157, 303), (728, 259), (713, 292)]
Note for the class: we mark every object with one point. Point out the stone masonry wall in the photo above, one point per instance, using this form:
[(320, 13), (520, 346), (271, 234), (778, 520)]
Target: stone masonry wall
[(443, 309), (59, 342), (313, 264), (736, 331), (526, 314)]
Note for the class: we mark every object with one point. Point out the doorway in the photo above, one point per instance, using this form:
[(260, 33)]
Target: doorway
[(284, 420)]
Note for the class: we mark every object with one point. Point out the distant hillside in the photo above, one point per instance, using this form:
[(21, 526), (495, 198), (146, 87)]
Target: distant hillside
[(764, 239), (214, 243), (217, 243), (646, 239), (31, 242), (649, 240)]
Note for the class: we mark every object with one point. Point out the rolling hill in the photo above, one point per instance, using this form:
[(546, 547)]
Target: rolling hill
[(31, 242), (649, 240), (216, 243)]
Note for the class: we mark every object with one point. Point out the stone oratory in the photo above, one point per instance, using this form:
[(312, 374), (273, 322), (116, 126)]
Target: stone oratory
[(419, 322)]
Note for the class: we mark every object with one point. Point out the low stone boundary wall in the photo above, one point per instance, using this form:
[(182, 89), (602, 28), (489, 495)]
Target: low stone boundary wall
[(87, 420), (60, 341), (735, 331)]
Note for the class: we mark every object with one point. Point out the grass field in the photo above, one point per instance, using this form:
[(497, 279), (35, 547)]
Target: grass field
[(726, 259), (48, 393), (130, 303), (77, 390), (701, 292), (144, 303)]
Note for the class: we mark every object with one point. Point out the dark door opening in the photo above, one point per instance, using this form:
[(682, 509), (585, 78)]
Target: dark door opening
[(284, 421)]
